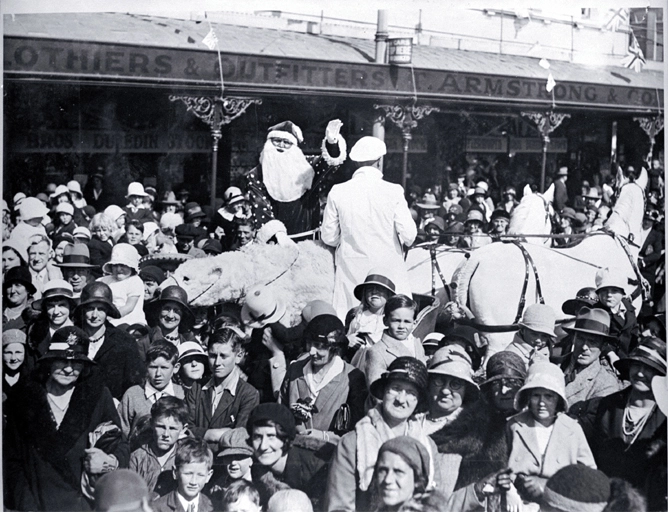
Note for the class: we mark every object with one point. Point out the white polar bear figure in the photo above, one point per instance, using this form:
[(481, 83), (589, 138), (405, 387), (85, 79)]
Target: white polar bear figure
[(296, 273)]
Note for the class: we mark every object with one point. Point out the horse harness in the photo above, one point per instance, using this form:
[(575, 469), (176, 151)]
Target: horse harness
[(528, 264)]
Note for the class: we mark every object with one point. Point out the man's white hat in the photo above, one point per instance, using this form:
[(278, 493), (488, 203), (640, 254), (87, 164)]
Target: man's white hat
[(368, 149), (32, 208)]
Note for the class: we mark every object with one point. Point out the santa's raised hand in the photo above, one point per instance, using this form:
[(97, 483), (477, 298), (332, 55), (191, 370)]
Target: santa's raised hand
[(332, 131)]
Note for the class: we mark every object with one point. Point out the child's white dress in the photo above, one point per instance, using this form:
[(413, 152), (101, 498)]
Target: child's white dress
[(133, 286)]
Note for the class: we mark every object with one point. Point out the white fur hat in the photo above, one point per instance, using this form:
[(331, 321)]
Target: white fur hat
[(32, 208), (136, 189), (123, 254), (170, 220), (368, 149)]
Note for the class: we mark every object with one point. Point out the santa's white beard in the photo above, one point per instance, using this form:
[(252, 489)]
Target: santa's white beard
[(287, 175)]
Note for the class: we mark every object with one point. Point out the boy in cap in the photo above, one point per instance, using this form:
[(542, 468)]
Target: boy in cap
[(135, 207), (368, 217), (533, 341), (286, 184)]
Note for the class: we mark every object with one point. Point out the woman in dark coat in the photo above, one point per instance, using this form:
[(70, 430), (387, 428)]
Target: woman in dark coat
[(628, 437), (46, 439), (318, 386), (478, 434)]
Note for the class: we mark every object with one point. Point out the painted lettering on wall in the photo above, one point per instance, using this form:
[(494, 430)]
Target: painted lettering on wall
[(24, 56)]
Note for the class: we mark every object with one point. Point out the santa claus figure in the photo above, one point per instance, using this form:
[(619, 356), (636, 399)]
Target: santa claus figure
[(287, 184)]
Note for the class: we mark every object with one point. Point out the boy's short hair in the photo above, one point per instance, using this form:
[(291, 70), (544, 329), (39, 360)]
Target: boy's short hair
[(193, 450), (162, 349), (227, 334), (236, 490), (171, 407)]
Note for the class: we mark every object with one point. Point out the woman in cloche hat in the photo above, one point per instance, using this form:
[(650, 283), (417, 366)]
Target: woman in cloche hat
[(47, 451), (170, 318), (628, 430), (402, 392)]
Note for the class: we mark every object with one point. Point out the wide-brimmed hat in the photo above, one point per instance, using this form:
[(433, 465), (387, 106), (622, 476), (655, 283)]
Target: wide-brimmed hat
[(403, 368), (474, 215), (592, 321), (136, 189), (611, 277), (55, 289), (505, 365), (436, 222), (539, 318), (563, 171), (192, 349), (20, 275), (593, 194), (261, 307), (76, 256), (122, 254), (452, 360), (169, 199), (99, 293), (368, 149), (428, 202), (375, 277), (32, 208), (69, 343), (433, 340), (542, 374), (650, 351), (192, 211), (585, 297), (176, 295)]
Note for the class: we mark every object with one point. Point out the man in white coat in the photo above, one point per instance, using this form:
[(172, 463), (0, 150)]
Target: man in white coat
[(367, 220)]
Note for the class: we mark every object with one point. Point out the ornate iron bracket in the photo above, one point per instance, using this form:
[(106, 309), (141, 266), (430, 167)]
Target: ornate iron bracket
[(546, 122), (651, 126)]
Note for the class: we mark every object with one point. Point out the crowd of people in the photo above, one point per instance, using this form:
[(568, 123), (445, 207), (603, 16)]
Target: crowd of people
[(120, 395)]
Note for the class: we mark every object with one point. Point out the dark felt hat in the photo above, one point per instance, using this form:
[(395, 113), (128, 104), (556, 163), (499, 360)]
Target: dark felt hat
[(152, 273), (650, 351), (193, 211), (592, 321), (278, 413), (187, 231), (404, 368), (500, 213), (323, 328), (378, 279), (99, 293), (176, 295), (55, 289), (20, 275), (69, 343), (76, 256)]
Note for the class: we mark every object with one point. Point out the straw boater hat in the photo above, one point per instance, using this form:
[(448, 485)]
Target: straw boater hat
[(428, 202), (376, 277)]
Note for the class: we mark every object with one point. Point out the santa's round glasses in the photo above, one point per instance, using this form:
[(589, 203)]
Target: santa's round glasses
[(281, 143)]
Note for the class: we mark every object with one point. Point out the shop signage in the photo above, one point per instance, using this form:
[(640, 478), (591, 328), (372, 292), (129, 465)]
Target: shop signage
[(93, 141), (517, 145), (248, 73)]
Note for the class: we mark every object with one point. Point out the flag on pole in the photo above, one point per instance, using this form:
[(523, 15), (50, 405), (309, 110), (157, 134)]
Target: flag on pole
[(550, 83), (211, 41), (619, 17), (635, 59)]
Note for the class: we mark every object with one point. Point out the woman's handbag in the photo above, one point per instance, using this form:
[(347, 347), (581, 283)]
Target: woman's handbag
[(342, 420)]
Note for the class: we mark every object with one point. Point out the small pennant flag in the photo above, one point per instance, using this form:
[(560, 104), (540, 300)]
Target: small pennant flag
[(211, 41), (619, 17), (635, 59), (544, 63), (550, 83)]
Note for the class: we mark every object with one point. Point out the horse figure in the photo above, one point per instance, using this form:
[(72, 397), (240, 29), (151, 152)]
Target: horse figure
[(490, 282), (531, 216)]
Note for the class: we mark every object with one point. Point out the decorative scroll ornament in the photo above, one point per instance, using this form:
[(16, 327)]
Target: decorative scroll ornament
[(406, 116), (651, 126), (546, 122), (205, 108)]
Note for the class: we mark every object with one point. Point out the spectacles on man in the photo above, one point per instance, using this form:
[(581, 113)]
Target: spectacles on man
[(281, 143)]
